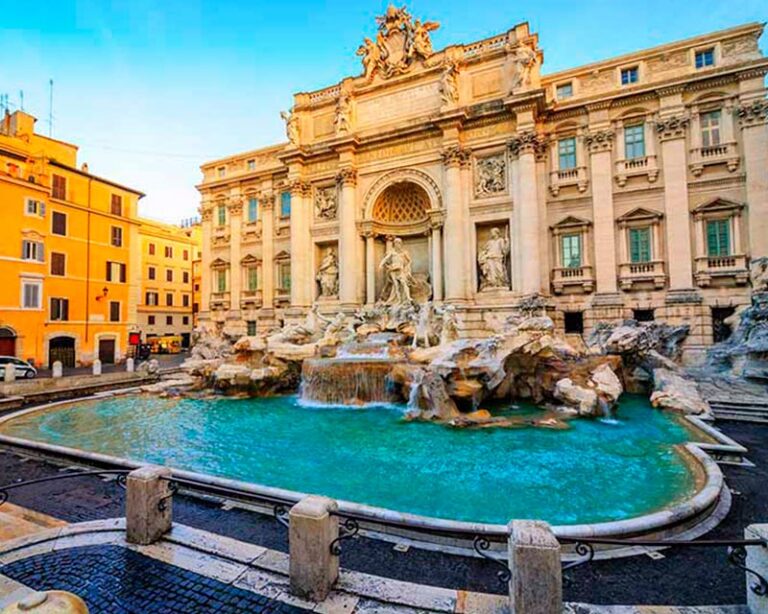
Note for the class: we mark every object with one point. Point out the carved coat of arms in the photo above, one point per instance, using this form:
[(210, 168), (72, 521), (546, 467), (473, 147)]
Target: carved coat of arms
[(399, 42)]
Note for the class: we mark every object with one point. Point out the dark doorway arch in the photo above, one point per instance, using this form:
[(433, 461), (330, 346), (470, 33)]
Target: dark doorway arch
[(63, 350), (7, 341)]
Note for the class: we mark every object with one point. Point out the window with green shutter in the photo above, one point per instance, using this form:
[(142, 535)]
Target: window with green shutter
[(222, 213), (719, 237), (639, 245), (285, 204), (253, 209), (634, 141), (253, 278), (571, 247), (221, 281), (566, 149)]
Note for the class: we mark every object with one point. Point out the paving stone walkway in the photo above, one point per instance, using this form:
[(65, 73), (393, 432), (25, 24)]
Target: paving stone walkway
[(115, 580)]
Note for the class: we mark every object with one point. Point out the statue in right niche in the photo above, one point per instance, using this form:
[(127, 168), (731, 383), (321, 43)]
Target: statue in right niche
[(492, 260)]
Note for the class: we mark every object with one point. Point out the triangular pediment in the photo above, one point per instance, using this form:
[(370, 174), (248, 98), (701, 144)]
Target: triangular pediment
[(640, 213), (219, 263), (282, 255), (250, 259), (718, 204), (572, 221)]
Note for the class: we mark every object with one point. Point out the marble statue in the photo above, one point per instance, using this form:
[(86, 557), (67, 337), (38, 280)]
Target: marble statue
[(397, 265), (449, 331), (326, 203), (371, 56), (449, 84), (291, 126), (758, 274), (423, 325), (493, 262), (328, 274), (422, 45), (491, 175), (525, 61), (343, 111)]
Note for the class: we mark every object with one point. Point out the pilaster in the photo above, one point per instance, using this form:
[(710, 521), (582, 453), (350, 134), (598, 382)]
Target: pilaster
[(346, 180), (301, 245), (457, 282), (267, 205), (600, 144), (753, 121), (235, 207), (206, 215)]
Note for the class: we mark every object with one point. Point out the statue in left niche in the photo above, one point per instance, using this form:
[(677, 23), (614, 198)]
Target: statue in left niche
[(492, 261), (291, 126), (328, 274)]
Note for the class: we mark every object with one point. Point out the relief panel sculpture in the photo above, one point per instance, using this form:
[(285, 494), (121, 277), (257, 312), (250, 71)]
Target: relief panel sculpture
[(490, 175), (326, 203)]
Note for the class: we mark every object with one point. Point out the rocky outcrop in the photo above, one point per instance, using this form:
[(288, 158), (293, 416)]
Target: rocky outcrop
[(595, 398), (676, 393)]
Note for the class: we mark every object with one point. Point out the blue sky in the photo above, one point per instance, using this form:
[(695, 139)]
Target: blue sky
[(151, 89)]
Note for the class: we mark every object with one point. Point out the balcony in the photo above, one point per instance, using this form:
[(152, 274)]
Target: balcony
[(219, 300), (724, 153), (580, 279), (726, 269), (646, 165), (250, 299), (571, 176), (631, 273)]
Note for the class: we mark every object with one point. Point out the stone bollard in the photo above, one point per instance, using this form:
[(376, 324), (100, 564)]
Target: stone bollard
[(57, 369), (757, 560), (313, 569), (97, 367), (10, 374), (148, 504), (129, 365), (536, 586)]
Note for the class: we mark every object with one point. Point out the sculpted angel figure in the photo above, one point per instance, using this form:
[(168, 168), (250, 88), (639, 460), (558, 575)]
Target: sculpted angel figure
[(422, 45), (449, 84), (291, 126), (397, 264), (371, 55), (328, 274), (525, 60), (493, 261)]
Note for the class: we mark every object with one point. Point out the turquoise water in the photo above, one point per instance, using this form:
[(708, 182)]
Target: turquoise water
[(595, 471)]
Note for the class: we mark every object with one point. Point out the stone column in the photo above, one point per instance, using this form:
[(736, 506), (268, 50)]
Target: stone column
[(301, 246), (753, 120), (600, 144), (524, 148), (267, 206), (313, 569), (148, 505), (536, 586), (457, 282), (235, 208), (437, 262), (757, 560), (671, 131), (206, 213), (370, 268), (348, 240), (545, 256)]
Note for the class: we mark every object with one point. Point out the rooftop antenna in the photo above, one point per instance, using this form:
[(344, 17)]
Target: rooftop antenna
[(50, 107)]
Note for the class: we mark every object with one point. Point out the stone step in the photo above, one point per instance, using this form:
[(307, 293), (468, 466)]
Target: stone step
[(747, 404), (17, 521), (741, 416)]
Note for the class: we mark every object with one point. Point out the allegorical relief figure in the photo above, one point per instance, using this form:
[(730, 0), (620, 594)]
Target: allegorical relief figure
[(341, 121), (525, 61), (328, 274), (291, 126), (492, 261), (326, 203), (449, 84), (490, 175), (397, 265)]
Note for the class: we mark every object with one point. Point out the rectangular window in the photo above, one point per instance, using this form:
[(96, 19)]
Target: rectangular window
[(116, 272), (566, 149), (284, 276), (643, 315), (252, 278), (58, 264), (222, 215), (221, 171), (710, 129), (34, 207), (151, 273), (564, 90), (251, 165), (285, 204), (185, 254), (185, 320), (116, 236), (634, 141), (705, 57), (116, 204), (168, 251), (168, 299), (253, 209), (151, 299), (719, 237), (630, 75), (32, 250), (151, 249), (251, 328), (185, 300), (169, 275), (31, 294), (221, 281), (59, 187), (151, 320), (639, 245), (185, 277), (114, 311), (574, 322), (60, 309), (59, 223), (169, 320), (571, 246)]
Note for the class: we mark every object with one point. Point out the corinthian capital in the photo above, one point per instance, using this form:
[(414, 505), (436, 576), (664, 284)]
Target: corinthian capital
[(673, 127), (235, 204), (346, 176), (599, 140), (527, 142), (753, 113), (455, 156), (300, 188)]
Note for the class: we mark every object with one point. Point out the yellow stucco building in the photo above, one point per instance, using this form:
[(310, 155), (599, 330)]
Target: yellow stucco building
[(68, 260)]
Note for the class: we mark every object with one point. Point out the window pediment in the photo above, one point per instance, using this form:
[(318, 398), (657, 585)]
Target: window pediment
[(250, 259), (282, 255), (718, 207), (640, 214), (219, 263), (571, 223)]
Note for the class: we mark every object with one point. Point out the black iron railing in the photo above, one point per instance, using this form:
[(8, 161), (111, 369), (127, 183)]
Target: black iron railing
[(121, 474)]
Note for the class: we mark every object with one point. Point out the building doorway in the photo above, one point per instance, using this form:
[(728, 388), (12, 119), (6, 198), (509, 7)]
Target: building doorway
[(186, 339), (7, 342), (720, 330), (107, 351), (63, 350)]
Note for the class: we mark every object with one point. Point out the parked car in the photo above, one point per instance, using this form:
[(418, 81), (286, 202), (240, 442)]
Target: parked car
[(23, 368)]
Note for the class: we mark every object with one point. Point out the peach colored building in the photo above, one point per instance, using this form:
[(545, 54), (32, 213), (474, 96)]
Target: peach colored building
[(633, 187)]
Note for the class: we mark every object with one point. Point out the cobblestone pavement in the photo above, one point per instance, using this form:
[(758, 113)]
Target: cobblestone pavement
[(114, 580), (685, 576)]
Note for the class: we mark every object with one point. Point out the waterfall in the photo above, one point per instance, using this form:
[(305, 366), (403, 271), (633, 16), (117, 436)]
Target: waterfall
[(413, 395), (347, 381)]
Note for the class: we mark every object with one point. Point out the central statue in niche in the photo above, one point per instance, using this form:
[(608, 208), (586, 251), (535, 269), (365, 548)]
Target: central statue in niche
[(397, 265)]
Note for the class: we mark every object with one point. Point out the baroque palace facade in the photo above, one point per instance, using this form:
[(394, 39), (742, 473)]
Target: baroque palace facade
[(632, 187)]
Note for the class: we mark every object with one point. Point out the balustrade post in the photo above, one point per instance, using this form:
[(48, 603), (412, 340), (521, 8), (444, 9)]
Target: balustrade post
[(57, 368), (313, 568), (96, 367), (757, 561), (148, 504), (536, 584)]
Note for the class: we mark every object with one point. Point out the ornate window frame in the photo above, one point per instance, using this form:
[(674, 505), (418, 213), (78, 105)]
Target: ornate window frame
[(633, 273), (580, 279), (728, 268)]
